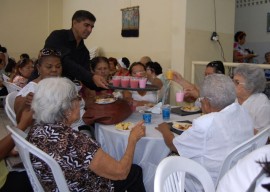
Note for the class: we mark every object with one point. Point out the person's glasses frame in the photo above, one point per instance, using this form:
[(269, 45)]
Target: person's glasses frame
[(236, 82)]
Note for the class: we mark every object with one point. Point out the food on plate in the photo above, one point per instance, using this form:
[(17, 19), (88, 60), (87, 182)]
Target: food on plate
[(181, 126), (123, 126), (190, 108), (105, 100)]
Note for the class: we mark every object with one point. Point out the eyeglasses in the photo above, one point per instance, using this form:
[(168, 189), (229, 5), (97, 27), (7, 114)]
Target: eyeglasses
[(236, 82), (48, 52)]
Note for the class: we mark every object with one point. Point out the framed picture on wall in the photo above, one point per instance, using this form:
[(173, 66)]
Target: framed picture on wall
[(268, 22)]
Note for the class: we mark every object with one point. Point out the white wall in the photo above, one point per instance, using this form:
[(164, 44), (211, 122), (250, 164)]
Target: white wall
[(253, 21)]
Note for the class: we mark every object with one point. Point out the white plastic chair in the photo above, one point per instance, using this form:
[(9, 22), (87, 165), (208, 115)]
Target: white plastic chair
[(242, 150), (9, 107), (11, 86), (170, 175), (24, 149), (5, 78)]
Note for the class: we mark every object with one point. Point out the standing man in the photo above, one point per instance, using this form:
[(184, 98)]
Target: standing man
[(75, 55)]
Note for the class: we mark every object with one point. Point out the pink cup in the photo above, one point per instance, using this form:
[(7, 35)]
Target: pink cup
[(134, 82), (125, 82), (142, 82), (180, 96), (116, 81)]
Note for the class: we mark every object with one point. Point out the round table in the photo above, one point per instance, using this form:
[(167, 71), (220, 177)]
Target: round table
[(150, 150)]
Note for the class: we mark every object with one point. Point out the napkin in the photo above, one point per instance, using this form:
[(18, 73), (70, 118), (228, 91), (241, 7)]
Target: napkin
[(156, 109)]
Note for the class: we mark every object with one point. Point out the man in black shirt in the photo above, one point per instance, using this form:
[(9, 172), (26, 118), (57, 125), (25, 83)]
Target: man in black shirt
[(75, 55)]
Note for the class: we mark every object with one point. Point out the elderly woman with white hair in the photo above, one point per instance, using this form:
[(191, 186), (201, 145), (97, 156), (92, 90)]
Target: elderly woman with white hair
[(249, 83), (224, 125), (86, 166)]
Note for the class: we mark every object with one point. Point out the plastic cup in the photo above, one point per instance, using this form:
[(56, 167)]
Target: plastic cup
[(124, 82), (169, 74), (147, 118), (180, 96), (142, 82), (116, 81), (134, 82), (166, 112)]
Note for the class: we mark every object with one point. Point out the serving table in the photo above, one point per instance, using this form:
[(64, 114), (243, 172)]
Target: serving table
[(150, 150)]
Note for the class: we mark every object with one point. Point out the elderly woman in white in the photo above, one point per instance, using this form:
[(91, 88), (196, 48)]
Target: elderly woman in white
[(213, 135), (56, 105), (249, 84)]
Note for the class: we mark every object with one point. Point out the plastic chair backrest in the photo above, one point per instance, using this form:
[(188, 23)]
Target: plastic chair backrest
[(242, 150), (170, 175), (9, 107), (25, 148), (11, 87)]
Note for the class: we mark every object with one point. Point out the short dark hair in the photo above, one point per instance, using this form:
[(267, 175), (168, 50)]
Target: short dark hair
[(82, 15), (10, 65), (239, 35), (155, 67), (25, 56), (126, 62), (218, 66)]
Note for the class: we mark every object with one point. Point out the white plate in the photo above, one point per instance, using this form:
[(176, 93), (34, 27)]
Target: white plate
[(190, 109), (121, 129), (181, 126), (105, 101)]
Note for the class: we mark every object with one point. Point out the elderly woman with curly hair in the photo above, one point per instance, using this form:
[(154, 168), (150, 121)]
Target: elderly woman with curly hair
[(249, 83), (56, 105)]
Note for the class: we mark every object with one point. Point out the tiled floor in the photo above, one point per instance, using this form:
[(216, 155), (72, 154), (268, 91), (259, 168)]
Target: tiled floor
[(3, 122)]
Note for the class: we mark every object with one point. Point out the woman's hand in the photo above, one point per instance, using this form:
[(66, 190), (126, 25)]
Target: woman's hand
[(137, 132), (177, 77), (29, 98)]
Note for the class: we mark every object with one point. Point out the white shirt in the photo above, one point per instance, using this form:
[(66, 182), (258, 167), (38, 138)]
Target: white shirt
[(212, 137), (258, 106), (150, 96), (32, 86), (240, 177), (29, 87)]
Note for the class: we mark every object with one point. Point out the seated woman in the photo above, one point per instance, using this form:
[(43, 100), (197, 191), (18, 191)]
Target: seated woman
[(249, 84), (123, 65), (112, 66), (10, 69), (13, 180), (191, 90), (49, 65), (224, 125), (86, 166), (141, 98), (154, 70), (98, 66), (24, 69)]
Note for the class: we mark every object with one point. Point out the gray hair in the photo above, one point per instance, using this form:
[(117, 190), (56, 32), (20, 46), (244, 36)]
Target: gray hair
[(254, 77), (219, 89), (52, 99)]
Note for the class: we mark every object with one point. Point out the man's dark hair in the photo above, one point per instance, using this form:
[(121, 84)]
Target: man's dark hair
[(82, 15)]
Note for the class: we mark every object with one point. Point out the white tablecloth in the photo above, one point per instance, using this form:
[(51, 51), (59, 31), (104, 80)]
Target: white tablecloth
[(150, 150)]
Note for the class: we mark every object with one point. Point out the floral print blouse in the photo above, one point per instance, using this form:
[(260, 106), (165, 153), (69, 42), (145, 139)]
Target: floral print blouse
[(73, 151)]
